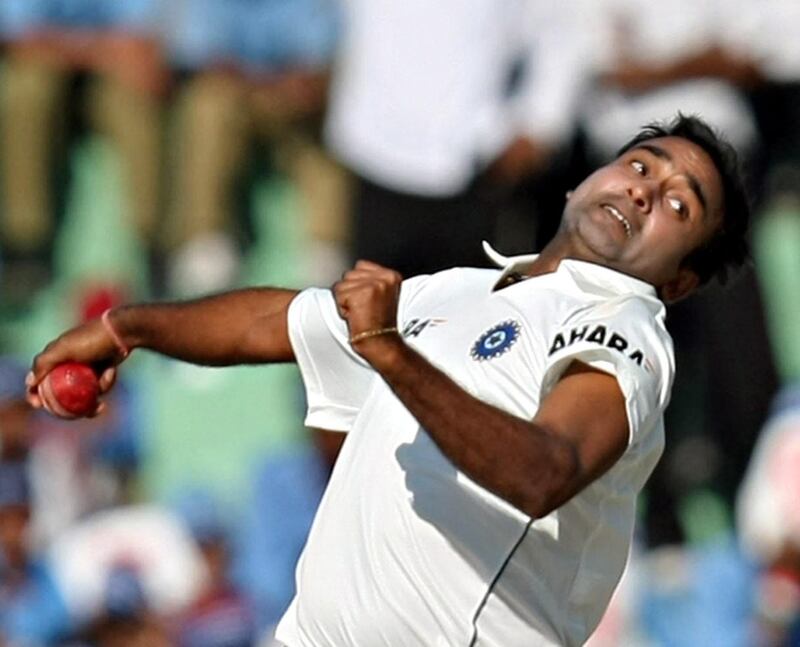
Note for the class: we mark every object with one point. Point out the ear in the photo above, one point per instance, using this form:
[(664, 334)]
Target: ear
[(680, 287)]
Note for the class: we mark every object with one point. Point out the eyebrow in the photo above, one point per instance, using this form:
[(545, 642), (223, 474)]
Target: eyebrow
[(694, 183)]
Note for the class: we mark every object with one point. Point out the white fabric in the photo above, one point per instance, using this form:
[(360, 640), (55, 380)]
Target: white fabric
[(417, 102), (766, 31), (147, 538), (629, 29), (767, 507), (406, 549)]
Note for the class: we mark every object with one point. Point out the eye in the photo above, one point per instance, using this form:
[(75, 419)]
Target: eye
[(679, 207), (639, 167)]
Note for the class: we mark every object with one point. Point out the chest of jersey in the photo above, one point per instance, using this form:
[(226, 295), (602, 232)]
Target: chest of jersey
[(494, 344), (424, 538)]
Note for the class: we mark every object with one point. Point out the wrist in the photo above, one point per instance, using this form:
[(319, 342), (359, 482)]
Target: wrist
[(113, 331), (368, 334), (381, 349)]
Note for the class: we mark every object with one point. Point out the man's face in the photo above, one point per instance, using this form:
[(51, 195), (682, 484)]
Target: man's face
[(643, 213)]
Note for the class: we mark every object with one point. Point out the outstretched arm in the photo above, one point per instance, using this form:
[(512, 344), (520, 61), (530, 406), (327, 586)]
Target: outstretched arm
[(579, 431), (240, 327)]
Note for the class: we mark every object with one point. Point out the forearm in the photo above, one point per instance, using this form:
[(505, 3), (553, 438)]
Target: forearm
[(241, 327), (514, 458)]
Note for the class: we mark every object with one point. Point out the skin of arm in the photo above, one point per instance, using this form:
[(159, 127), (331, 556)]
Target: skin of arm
[(246, 326), (713, 62), (579, 431)]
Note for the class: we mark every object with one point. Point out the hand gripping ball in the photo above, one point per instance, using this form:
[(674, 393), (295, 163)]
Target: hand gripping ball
[(70, 390)]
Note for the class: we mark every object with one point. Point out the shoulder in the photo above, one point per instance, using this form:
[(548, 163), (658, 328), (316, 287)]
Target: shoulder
[(456, 281), (629, 329), (631, 312)]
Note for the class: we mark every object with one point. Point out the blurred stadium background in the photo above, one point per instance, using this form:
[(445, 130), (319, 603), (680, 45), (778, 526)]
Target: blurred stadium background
[(159, 149)]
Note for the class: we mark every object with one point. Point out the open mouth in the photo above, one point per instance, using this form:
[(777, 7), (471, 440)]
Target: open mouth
[(617, 214)]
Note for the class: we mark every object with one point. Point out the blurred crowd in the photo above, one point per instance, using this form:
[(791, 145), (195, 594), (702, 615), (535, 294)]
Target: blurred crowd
[(169, 148)]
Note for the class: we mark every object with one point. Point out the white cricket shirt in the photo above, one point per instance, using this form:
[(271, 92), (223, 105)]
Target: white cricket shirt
[(406, 550), (419, 99)]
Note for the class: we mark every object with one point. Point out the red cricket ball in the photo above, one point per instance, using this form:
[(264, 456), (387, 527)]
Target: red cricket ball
[(70, 390)]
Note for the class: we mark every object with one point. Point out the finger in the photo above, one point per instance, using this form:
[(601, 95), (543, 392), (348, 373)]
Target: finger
[(363, 283), (363, 274), (101, 407), (351, 294), (369, 288), (341, 308), (33, 399), (368, 268), (343, 297), (107, 379), (355, 282), (368, 265), (31, 390), (364, 292), (45, 362), (356, 274), (38, 370)]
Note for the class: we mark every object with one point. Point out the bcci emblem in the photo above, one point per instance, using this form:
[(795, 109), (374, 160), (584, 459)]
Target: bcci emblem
[(495, 341)]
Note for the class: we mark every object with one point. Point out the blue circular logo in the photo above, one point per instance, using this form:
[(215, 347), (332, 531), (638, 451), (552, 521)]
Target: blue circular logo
[(495, 341)]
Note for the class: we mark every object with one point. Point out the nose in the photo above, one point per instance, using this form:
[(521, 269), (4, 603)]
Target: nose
[(641, 194)]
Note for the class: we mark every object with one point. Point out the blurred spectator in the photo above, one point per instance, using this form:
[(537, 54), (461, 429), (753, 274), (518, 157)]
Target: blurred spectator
[(766, 28), (254, 71), (769, 521), (697, 595), (126, 619), (439, 107), (768, 513), (220, 616), (15, 412), (49, 44), (32, 611), (79, 467), (683, 596), (287, 489), (683, 61), (147, 539)]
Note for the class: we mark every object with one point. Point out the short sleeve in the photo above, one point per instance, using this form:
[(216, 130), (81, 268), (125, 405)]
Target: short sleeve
[(627, 341), (336, 378)]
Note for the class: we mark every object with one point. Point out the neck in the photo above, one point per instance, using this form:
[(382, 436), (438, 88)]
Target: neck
[(563, 247), (558, 249)]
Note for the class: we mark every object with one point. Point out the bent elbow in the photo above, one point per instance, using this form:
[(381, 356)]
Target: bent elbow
[(555, 485)]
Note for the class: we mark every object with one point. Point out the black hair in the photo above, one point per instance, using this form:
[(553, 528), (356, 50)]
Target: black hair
[(728, 248)]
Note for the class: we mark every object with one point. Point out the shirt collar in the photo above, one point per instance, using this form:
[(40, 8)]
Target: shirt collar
[(597, 275)]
